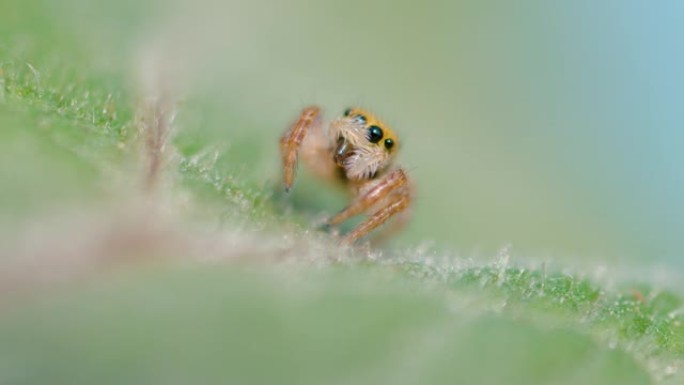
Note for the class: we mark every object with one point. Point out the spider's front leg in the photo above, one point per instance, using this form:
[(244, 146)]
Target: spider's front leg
[(392, 194), (292, 140)]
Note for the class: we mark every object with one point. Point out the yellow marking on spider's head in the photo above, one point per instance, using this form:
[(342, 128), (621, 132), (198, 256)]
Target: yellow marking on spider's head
[(377, 132)]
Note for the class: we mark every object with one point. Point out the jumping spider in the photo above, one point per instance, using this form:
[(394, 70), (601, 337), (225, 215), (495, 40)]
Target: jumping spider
[(357, 151)]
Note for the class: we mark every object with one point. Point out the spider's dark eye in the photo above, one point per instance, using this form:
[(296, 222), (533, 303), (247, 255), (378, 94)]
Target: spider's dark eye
[(374, 134), (389, 143), (360, 119), (347, 112)]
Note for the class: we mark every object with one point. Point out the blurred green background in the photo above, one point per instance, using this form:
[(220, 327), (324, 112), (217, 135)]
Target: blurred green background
[(552, 127), (555, 127), (238, 326)]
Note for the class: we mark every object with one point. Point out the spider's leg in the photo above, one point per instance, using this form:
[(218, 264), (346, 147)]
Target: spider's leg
[(397, 224), (396, 204), (392, 192), (292, 140), (389, 184)]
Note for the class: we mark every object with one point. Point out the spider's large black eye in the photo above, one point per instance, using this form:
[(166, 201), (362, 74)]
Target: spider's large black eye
[(374, 134), (389, 143)]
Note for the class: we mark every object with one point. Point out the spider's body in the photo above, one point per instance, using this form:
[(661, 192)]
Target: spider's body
[(357, 150)]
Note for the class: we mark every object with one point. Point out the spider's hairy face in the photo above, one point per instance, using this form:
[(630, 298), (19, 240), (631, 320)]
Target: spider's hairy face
[(363, 144)]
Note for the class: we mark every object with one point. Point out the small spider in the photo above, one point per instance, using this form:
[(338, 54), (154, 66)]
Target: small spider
[(357, 151)]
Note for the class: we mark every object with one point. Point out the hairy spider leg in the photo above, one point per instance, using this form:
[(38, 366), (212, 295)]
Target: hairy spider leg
[(393, 189), (396, 204), (292, 140)]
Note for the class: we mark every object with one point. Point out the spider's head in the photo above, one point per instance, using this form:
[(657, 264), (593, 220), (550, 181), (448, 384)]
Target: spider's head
[(364, 145)]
